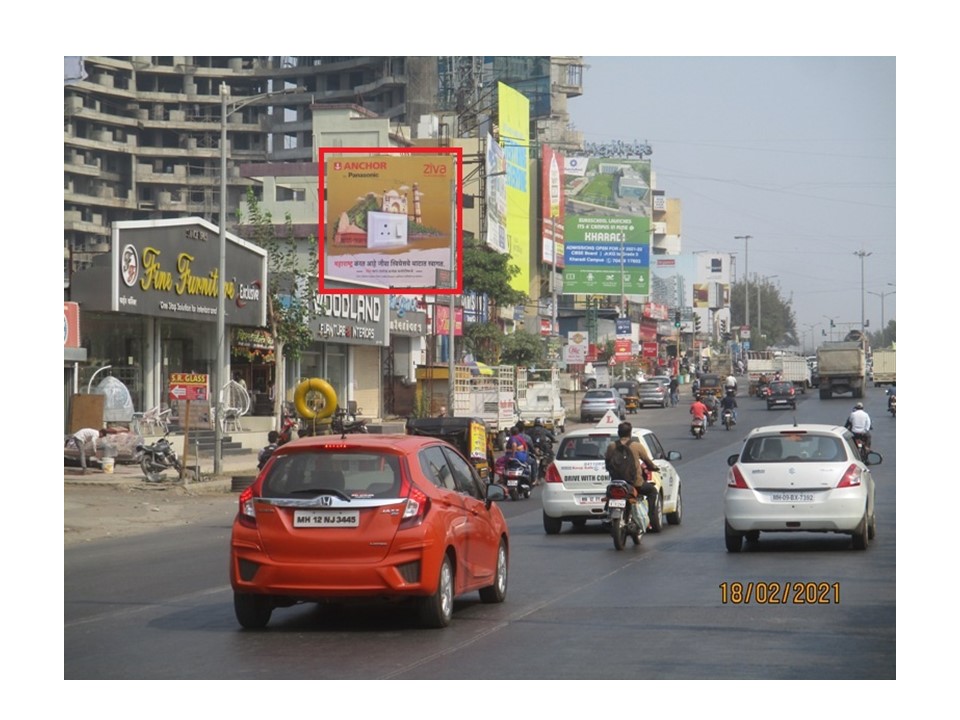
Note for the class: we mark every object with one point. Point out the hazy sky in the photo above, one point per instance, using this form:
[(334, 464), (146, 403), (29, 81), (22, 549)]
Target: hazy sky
[(798, 152)]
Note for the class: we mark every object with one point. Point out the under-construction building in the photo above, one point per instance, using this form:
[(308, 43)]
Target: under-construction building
[(142, 133)]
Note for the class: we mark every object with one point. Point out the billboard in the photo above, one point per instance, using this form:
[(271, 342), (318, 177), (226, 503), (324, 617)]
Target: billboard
[(553, 207), (607, 227), (496, 196), (389, 218), (606, 255), (515, 138)]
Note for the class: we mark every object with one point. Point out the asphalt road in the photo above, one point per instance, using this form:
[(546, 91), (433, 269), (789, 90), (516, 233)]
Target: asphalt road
[(159, 606)]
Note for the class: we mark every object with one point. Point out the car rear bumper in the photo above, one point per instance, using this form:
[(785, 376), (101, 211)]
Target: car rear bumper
[(569, 504), (408, 574), (838, 514)]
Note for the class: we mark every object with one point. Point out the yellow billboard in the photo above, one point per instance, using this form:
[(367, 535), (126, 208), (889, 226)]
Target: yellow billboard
[(515, 139)]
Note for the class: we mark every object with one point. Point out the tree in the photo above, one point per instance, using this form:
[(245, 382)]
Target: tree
[(776, 320), (484, 341), (487, 272), (291, 288), (523, 349)]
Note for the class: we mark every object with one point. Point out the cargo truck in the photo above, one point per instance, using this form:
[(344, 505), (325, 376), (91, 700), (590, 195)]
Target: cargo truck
[(491, 398), (842, 367), (760, 363), (884, 367), (538, 396), (795, 369)]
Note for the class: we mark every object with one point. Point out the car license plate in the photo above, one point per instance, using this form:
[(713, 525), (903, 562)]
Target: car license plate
[(793, 497), (326, 518), (589, 499), (617, 503), (511, 483)]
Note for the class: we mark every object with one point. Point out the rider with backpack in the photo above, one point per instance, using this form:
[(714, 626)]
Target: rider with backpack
[(629, 459)]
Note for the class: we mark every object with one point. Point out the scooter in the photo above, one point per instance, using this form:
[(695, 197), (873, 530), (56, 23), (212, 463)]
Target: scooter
[(727, 418), (155, 459), (626, 514), (544, 458), (290, 427), (516, 476), (696, 428), (892, 404)]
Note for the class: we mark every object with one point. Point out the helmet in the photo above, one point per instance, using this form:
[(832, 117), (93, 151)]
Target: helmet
[(538, 422), (858, 406)]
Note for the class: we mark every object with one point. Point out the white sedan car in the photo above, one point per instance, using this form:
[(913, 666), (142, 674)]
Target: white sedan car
[(575, 482), (799, 478)]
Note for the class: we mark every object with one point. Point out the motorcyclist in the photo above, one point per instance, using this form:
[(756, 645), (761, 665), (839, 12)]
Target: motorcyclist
[(645, 467), (730, 384), (891, 396), (729, 402), (713, 411), (699, 411), (543, 439), (859, 424), (520, 446)]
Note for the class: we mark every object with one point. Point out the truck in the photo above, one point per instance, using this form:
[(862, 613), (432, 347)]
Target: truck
[(760, 363), (842, 367), (489, 397), (538, 395), (795, 369), (884, 367)]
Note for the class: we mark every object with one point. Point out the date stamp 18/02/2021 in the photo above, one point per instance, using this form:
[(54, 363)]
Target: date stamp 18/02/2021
[(780, 593)]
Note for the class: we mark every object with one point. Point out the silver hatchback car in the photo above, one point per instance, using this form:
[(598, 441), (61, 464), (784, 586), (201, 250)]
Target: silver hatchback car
[(596, 403)]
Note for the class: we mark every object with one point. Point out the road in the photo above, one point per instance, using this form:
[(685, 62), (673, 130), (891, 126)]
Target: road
[(159, 606)]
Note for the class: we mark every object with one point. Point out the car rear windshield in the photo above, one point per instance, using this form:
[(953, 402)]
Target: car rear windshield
[(793, 447), (598, 395), (352, 474), (592, 447)]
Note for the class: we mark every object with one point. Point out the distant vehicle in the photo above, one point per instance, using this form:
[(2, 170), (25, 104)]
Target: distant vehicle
[(654, 393), (799, 478), (573, 488), (842, 369), (362, 517), (782, 394), (595, 404), (884, 367)]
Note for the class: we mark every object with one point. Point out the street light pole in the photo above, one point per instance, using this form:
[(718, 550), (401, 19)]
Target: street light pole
[(862, 254), (882, 295), (225, 112), (746, 276)]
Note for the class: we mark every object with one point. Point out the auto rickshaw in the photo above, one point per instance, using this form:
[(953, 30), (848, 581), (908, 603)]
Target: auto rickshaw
[(466, 434), (629, 390), (711, 385)]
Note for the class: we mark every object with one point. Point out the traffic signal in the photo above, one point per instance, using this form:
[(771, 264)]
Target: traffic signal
[(676, 319), (723, 327), (831, 324), (696, 323)]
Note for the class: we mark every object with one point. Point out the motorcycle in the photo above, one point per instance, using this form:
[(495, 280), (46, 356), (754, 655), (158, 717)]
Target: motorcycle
[(861, 442), (290, 426), (345, 422), (157, 458), (516, 476), (892, 404), (626, 514), (696, 428), (544, 457), (727, 418)]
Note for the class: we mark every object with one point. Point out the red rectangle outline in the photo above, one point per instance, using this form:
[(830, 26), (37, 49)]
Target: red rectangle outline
[(457, 152)]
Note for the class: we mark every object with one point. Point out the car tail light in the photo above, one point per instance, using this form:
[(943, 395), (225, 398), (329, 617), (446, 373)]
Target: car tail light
[(851, 478), (247, 515), (736, 479), (553, 475), (416, 507), (792, 391)]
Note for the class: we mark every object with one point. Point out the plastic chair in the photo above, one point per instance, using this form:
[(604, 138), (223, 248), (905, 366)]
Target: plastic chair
[(152, 419)]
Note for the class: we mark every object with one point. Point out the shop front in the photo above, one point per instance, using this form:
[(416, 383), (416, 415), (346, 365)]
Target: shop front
[(149, 306), (352, 331)]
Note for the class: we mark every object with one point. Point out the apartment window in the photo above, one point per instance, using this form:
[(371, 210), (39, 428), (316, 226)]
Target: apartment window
[(284, 193)]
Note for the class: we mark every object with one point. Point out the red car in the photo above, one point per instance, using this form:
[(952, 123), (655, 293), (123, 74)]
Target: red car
[(367, 516)]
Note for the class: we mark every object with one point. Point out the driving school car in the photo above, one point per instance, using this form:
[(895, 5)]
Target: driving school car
[(575, 482)]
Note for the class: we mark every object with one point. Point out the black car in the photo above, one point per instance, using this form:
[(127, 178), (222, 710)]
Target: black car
[(782, 394)]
